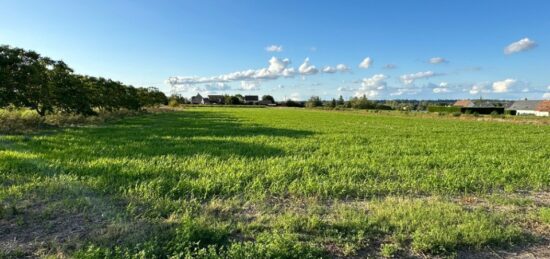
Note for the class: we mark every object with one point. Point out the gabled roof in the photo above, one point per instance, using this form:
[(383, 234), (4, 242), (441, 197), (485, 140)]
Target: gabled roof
[(251, 98), (525, 105), (543, 106), (484, 104), (464, 103)]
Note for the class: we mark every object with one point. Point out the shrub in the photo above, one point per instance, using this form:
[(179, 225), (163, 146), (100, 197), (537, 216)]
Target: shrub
[(457, 114), (446, 109), (388, 250)]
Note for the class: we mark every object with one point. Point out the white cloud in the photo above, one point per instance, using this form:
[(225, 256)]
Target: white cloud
[(442, 88), (313, 49), (503, 86), (274, 48), (479, 88), (438, 60), (519, 46), (277, 68), (338, 68), (546, 96), (372, 86), (410, 78), (548, 87), (307, 69), (295, 96), (250, 85), (217, 87), (525, 90), (390, 66), (405, 90), (366, 63), (345, 89)]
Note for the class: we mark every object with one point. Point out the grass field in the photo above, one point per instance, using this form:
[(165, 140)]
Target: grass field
[(275, 183)]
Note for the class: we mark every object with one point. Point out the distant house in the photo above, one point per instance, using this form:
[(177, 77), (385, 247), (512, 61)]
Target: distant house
[(474, 103), (216, 99), (543, 108), (251, 99), (464, 103), (526, 107), (197, 99)]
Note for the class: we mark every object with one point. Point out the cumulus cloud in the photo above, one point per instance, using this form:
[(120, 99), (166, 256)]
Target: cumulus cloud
[(504, 85), (546, 96), (250, 85), (372, 86), (217, 87), (338, 68), (295, 96), (274, 48), (410, 78), (366, 63), (277, 68), (438, 60), (442, 88), (478, 88), (520, 46), (307, 69)]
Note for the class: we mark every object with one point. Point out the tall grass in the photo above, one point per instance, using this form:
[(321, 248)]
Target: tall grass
[(274, 183)]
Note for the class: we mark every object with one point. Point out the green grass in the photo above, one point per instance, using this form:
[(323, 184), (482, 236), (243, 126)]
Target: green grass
[(276, 183)]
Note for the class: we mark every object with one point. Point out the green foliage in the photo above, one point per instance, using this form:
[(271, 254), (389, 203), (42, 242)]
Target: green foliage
[(389, 250), (314, 101), (29, 80), (361, 103), (268, 98), (232, 100), (446, 109), (544, 215)]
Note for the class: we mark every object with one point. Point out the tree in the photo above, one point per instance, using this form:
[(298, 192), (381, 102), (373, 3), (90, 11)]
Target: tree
[(340, 100), (361, 103), (30, 80), (333, 103), (314, 101), (268, 98), (232, 100)]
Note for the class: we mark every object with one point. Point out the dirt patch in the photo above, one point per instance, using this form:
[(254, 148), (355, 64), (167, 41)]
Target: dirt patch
[(54, 220)]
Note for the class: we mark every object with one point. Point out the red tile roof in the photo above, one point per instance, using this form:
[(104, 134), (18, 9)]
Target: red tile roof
[(464, 103), (543, 106)]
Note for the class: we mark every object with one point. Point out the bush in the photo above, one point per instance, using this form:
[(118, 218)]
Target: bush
[(446, 109), (388, 250), (25, 120), (457, 114)]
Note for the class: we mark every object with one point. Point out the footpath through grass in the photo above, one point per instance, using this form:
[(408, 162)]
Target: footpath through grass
[(274, 183)]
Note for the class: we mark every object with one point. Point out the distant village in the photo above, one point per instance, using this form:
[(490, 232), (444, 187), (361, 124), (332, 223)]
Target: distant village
[(523, 107), (479, 106)]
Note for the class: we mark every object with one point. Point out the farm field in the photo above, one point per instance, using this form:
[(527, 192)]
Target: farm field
[(276, 183)]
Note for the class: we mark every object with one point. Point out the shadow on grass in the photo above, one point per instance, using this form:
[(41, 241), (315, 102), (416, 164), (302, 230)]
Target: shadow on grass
[(180, 134), (60, 194)]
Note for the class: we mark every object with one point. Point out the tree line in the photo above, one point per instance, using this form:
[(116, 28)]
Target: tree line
[(29, 80)]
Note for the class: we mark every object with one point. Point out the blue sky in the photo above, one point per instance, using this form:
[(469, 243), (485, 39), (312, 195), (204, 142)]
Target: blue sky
[(220, 46)]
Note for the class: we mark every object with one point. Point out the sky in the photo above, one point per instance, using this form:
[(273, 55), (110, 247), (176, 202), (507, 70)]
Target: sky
[(389, 49)]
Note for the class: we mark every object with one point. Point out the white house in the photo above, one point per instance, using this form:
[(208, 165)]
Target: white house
[(531, 107)]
